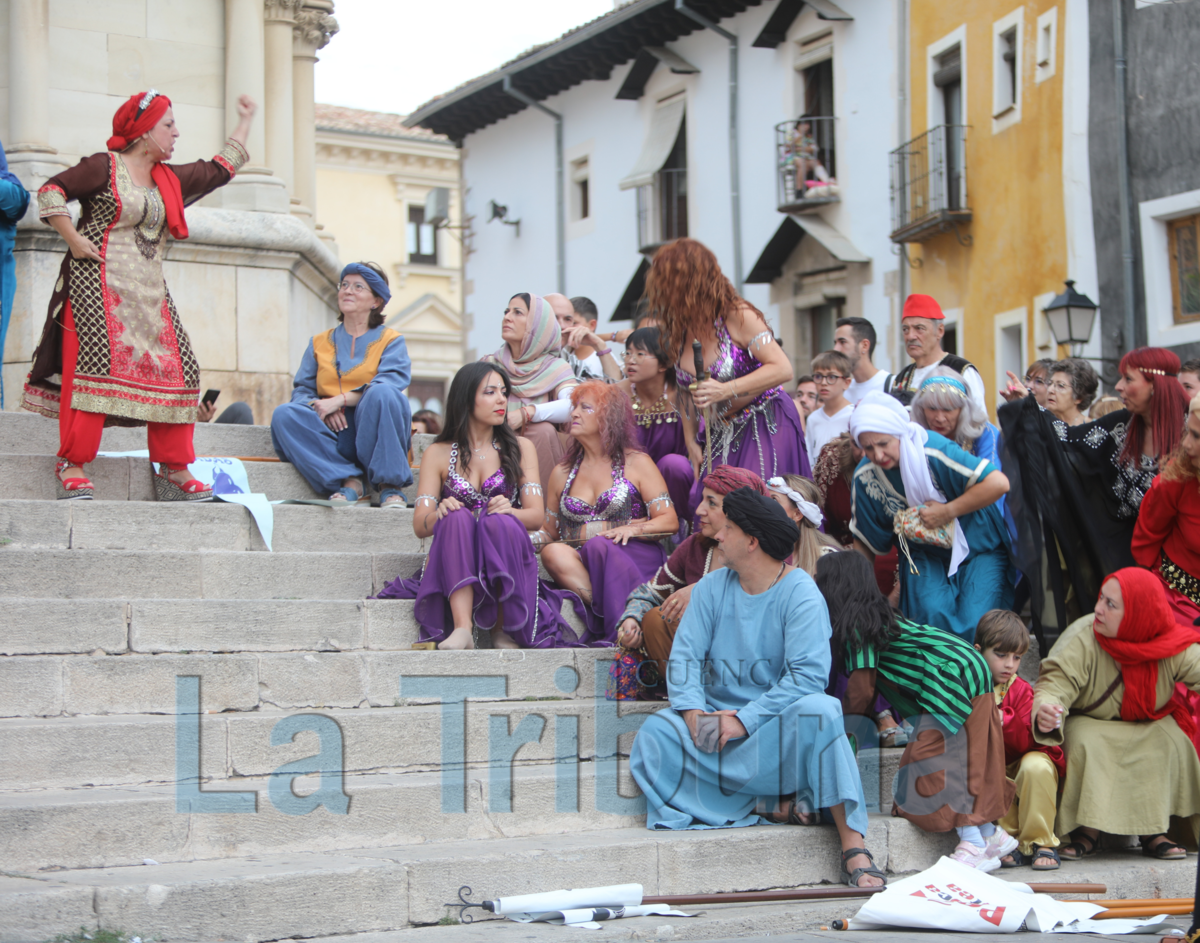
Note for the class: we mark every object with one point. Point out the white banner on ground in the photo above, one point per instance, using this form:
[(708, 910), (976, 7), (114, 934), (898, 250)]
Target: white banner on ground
[(951, 896), (227, 478), (614, 895), (589, 918)]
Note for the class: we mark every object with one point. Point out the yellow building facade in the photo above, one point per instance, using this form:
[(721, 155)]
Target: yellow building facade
[(982, 178), (373, 177)]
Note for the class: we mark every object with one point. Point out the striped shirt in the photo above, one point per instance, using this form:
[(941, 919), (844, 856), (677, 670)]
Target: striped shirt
[(927, 671)]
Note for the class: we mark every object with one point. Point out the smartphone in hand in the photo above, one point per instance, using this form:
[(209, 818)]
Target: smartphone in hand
[(708, 732), (210, 397)]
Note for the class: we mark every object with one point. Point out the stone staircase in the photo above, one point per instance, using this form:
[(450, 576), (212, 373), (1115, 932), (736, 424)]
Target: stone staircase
[(204, 740)]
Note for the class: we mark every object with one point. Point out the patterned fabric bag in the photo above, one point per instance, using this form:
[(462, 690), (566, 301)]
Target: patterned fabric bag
[(908, 526), (629, 673)]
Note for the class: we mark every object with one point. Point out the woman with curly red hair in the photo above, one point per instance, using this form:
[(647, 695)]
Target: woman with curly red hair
[(1081, 487), (606, 509), (752, 423)]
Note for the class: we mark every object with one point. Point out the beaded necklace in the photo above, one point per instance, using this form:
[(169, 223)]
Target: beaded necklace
[(656, 413)]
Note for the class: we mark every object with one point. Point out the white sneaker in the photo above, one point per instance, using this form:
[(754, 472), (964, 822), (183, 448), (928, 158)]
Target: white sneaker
[(970, 855), (999, 844)]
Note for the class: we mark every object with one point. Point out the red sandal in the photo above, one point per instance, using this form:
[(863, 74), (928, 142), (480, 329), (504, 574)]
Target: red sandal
[(166, 489), (72, 489)]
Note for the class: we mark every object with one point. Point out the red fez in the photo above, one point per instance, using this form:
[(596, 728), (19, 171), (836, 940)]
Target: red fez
[(133, 119), (922, 306)]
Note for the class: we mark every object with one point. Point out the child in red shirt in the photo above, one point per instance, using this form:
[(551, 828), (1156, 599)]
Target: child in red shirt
[(1003, 638)]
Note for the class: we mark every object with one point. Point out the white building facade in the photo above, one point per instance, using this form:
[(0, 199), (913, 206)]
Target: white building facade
[(642, 99)]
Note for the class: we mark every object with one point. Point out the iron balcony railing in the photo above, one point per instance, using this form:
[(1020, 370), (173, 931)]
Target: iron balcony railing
[(662, 208), (806, 163), (929, 184)]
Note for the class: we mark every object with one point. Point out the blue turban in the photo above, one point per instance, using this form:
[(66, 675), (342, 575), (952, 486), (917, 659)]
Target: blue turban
[(954, 383), (373, 279)]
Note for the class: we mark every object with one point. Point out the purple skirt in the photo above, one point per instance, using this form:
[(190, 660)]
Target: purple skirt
[(767, 454), (615, 571), (664, 442), (495, 557)]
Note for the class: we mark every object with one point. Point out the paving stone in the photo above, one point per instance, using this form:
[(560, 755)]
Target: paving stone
[(312, 679), (124, 525), (143, 684), (31, 477), (285, 576), (28, 907), (101, 574), (59, 626), (31, 686), (250, 625), (44, 524), (27, 432), (300, 528)]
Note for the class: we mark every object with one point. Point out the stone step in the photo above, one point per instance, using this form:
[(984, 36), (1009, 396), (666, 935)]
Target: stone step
[(372, 891), (29, 433), (56, 685), (205, 574), (137, 749), (121, 826), (158, 626), (125, 525), (30, 476)]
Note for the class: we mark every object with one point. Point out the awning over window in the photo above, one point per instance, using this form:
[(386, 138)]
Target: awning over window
[(656, 148), (633, 294), (781, 245), (838, 245)]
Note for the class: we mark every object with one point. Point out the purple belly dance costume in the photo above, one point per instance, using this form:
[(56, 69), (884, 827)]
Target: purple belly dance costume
[(614, 569), (660, 433), (764, 436), (491, 553)]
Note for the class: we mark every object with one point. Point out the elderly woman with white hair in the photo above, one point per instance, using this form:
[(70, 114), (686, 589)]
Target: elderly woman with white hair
[(919, 490)]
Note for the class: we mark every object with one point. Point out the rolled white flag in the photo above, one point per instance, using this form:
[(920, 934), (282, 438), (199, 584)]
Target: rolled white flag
[(615, 895)]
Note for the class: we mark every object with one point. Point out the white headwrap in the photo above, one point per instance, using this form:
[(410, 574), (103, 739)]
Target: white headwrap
[(811, 512), (883, 413)]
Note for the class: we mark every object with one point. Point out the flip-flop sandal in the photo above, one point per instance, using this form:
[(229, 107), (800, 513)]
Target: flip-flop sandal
[(345, 496), (1042, 853), (1166, 850), (793, 817)]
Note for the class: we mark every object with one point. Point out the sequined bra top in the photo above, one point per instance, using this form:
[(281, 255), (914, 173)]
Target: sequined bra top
[(618, 505), (456, 486), (732, 362)]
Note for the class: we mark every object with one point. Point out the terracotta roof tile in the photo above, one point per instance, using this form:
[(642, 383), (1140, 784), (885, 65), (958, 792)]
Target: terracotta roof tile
[(378, 123)]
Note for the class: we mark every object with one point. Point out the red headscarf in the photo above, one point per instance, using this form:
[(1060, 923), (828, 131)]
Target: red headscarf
[(726, 478), (1148, 633), (133, 119)]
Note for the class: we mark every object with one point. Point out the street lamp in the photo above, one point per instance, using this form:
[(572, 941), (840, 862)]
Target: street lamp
[(1071, 316)]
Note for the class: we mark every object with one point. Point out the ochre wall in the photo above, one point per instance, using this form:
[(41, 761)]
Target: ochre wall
[(1014, 177)]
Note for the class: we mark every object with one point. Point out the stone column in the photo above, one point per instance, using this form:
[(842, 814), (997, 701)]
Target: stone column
[(314, 28), (28, 143), (254, 188), (278, 119)]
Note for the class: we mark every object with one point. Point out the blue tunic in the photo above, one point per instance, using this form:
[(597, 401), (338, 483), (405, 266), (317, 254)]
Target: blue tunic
[(984, 579), (766, 657), (375, 441), (14, 199)]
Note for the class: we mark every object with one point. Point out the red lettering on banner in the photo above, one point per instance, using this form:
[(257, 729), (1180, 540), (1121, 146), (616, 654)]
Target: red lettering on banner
[(993, 916)]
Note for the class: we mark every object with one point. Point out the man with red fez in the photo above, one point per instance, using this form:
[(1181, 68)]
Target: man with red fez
[(924, 326), (1107, 694), (113, 351)]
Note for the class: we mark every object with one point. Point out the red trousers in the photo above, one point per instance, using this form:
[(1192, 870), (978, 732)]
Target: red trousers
[(79, 432)]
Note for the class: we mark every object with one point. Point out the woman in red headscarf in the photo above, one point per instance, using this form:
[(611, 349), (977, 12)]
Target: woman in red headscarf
[(113, 351), (1107, 694)]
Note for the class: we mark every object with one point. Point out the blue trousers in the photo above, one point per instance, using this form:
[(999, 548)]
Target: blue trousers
[(374, 442)]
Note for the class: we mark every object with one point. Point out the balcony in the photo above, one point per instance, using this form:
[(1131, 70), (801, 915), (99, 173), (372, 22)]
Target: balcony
[(929, 185), (662, 209), (806, 165)]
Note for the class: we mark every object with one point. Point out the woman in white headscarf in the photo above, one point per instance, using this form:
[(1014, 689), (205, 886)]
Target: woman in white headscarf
[(908, 466)]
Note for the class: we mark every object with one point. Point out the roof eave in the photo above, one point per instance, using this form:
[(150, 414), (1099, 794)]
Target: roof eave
[(429, 109)]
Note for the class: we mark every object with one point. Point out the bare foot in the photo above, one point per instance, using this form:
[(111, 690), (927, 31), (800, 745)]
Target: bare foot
[(501, 639), (459, 640), (864, 880)]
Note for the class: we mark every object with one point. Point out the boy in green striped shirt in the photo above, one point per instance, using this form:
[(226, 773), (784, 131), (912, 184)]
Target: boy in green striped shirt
[(943, 687)]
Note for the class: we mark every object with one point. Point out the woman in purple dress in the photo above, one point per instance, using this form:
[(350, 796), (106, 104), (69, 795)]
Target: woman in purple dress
[(650, 383), (479, 498), (749, 421), (608, 506)]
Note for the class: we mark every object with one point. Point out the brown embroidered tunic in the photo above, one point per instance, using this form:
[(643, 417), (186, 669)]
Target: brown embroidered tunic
[(135, 360)]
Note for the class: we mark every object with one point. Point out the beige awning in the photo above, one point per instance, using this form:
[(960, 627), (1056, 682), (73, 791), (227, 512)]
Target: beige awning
[(656, 148), (838, 245)]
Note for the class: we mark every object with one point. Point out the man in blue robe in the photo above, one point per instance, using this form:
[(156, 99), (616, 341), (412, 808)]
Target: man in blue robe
[(14, 200), (749, 720)]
